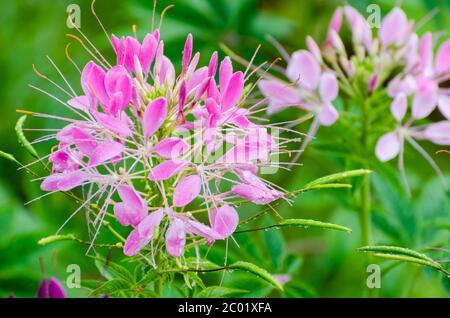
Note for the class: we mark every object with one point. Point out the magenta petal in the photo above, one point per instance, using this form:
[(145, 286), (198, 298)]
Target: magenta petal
[(166, 170), (133, 209), (175, 238), (154, 116), (134, 243), (187, 53), (233, 92), (438, 133), (55, 289), (130, 196), (329, 88), (96, 84), (105, 152), (304, 69), (171, 148), (147, 226), (224, 221), (148, 52), (113, 124), (328, 115), (72, 180), (443, 59), (388, 147), (225, 73), (43, 289), (399, 107), (187, 190)]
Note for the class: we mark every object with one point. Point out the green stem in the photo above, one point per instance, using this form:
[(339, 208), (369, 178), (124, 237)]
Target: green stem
[(365, 190)]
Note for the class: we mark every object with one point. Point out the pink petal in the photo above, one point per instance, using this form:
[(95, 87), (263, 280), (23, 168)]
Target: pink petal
[(225, 73), (166, 170), (336, 20), (224, 221), (303, 68), (313, 48), (154, 116), (64, 182), (105, 152), (328, 87), (175, 238), (213, 63), (426, 52), (256, 193), (113, 124), (393, 28), (117, 80), (187, 53), (147, 226), (171, 148), (280, 95), (148, 52), (438, 133), (197, 78), (187, 190), (426, 97), (361, 30), (443, 59), (80, 102), (328, 115), (131, 198), (388, 147), (399, 107), (134, 243), (233, 92), (444, 105), (96, 83), (167, 72), (197, 228)]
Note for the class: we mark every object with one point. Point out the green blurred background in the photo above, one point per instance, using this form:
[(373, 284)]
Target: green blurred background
[(328, 265)]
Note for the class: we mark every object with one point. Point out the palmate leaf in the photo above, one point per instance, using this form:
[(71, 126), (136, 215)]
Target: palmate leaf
[(403, 255)]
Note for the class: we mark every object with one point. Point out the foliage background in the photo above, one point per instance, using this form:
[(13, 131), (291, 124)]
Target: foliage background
[(322, 264)]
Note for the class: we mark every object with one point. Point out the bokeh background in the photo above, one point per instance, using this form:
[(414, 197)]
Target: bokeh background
[(325, 264)]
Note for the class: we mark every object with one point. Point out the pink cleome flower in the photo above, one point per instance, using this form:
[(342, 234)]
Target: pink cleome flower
[(149, 142)]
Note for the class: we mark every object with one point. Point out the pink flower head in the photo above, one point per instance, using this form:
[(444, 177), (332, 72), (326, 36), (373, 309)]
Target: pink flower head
[(149, 143)]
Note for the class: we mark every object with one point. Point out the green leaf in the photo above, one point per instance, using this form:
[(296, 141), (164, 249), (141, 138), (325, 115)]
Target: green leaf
[(395, 250), (300, 223), (218, 292), (257, 271), (8, 156), (275, 246), (337, 177), (22, 139), (403, 255), (111, 287)]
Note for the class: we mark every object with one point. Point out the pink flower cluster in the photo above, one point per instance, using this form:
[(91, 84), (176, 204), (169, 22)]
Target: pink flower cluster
[(315, 76), (149, 142)]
